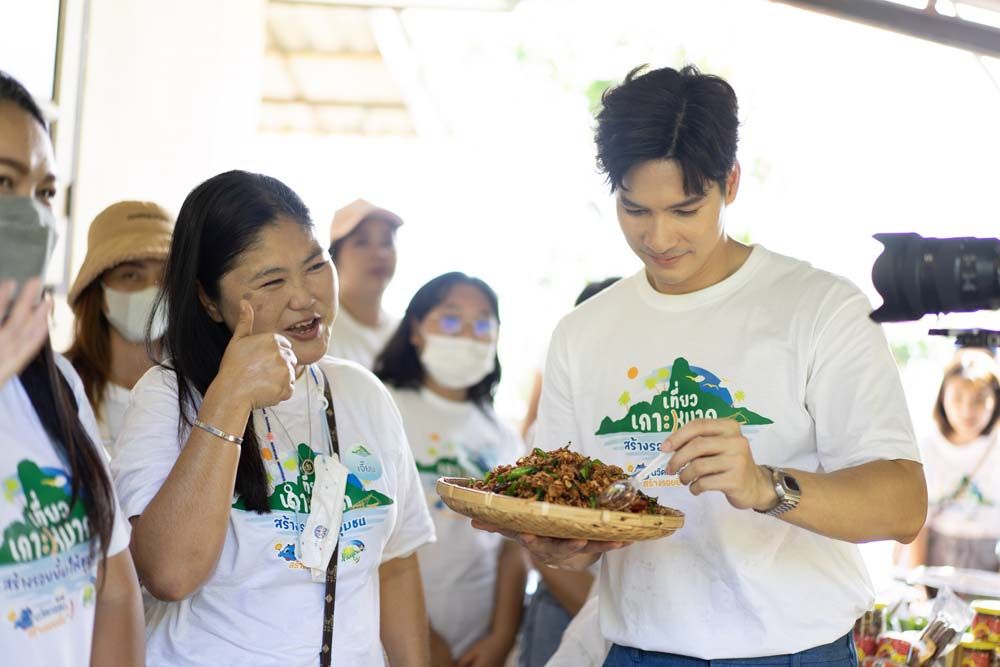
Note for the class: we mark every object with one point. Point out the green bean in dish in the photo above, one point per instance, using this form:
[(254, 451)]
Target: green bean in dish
[(561, 477)]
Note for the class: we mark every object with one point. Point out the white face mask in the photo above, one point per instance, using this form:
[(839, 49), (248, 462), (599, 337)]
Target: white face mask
[(458, 362), (129, 312)]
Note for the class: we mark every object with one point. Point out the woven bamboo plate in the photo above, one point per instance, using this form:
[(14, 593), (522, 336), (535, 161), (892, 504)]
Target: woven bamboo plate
[(551, 520)]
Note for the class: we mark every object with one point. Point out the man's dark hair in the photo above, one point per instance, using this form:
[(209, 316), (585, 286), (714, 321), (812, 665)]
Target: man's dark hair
[(665, 114)]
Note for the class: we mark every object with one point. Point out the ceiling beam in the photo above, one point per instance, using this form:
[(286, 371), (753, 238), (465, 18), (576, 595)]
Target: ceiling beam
[(922, 23), (315, 54), (471, 5), (368, 105)]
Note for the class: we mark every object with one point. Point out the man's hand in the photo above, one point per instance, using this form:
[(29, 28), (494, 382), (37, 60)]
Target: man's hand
[(555, 552), (713, 455)]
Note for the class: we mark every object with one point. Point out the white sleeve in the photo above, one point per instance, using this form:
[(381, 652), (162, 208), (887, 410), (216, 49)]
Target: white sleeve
[(414, 527), (557, 424), (853, 390), (149, 442), (120, 531), (583, 643)]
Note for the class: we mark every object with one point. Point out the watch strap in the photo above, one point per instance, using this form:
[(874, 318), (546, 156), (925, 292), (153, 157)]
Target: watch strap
[(788, 497)]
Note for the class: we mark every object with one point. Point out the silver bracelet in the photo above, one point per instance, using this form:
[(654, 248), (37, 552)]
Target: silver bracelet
[(235, 439)]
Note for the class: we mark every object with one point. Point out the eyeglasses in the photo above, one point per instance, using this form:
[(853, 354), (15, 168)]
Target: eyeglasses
[(453, 325)]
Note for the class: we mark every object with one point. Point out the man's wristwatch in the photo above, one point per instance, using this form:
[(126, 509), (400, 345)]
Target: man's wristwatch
[(787, 488)]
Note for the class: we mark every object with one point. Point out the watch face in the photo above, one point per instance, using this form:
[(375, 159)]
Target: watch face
[(790, 483)]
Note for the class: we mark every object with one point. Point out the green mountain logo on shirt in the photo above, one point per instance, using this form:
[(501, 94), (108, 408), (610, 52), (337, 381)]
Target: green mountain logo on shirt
[(292, 495), (688, 394), (295, 495), (49, 525), (360, 498)]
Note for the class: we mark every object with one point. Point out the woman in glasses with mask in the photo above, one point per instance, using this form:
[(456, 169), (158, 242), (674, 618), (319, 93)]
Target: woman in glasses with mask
[(68, 589), (442, 369), (112, 298)]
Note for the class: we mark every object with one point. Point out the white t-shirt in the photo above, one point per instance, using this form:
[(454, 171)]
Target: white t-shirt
[(354, 341), (790, 352), (47, 574), (975, 513), (452, 439), (112, 415), (582, 643), (260, 606)]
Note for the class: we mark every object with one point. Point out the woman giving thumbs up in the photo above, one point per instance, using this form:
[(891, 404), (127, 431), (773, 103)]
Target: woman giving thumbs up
[(221, 447)]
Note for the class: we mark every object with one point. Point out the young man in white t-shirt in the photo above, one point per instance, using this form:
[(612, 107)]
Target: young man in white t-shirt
[(767, 379)]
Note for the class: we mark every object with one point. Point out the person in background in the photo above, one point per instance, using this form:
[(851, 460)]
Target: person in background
[(962, 464), (70, 594), (764, 379), (560, 593), (112, 299), (442, 369), (247, 452), (363, 248)]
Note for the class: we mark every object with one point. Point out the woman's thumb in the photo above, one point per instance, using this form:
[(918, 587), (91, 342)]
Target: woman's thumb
[(245, 326)]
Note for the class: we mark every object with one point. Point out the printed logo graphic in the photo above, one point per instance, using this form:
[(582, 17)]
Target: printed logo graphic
[(663, 400), (291, 502), (292, 495), (286, 553), (24, 620), (363, 463), (295, 495), (352, 551), (360, 498), (48, 526), (687, 393), (47, 570)]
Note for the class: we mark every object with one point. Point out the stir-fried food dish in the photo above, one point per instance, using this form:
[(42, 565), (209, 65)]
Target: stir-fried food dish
[(562, 477)]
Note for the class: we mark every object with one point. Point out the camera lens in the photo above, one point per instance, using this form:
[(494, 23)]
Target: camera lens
[(916, 276)]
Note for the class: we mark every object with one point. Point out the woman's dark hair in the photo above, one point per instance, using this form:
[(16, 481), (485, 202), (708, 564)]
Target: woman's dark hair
[(12, 91), (55, 404), (399, 363), (219, 220), (90, 352), (665, 114), (974, 366)]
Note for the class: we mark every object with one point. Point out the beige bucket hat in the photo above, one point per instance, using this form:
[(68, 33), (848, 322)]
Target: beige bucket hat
[(123, 232)]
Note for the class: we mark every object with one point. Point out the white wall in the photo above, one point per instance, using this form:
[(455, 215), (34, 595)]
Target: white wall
[(171, 98), (28, 44)]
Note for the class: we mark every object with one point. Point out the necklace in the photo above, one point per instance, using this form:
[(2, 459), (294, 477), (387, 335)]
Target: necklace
[(299, 464), (303, 467)]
